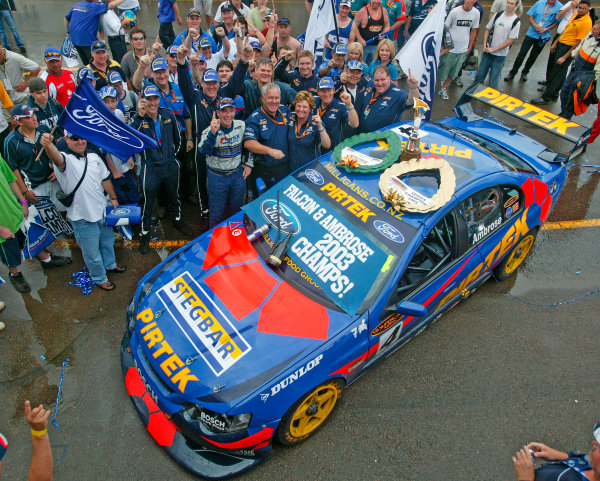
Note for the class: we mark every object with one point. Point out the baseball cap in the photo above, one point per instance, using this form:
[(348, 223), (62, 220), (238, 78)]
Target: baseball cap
[(354, 65), (201, 57), (340, 49), (326, 83), (52, 53), (160, 64), (283, 21), (86, 72), (194, 11), (227, 6), (226, 102), (108, 91), (210, 75), (115, 77), (255, 44), (269, 13), (172, 50), (596, 433), (150, 91), (21, 112), (98, 45), (36, 84), (347, 3), (70, 135), (204, 42)]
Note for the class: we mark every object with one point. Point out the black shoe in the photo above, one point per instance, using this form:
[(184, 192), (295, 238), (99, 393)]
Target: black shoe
[(541, 89), (539, 101), (161, 212), (524, 78), (543, 82), (145, 243), (153, 220), (509, 77), (19, 282), (56, 261), (182, 227), (23, 50)]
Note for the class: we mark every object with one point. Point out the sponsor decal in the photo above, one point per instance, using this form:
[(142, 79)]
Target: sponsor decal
[(511, 201), (212, 421), (360, 328), (286, 220), (509, 212), (264, 397), (297, 374), (387, 323), (207, 328), (389, 231), (146, 385), (482, 231), (314, 176)]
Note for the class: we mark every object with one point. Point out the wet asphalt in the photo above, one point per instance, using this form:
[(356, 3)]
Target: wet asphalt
[(455, 403)]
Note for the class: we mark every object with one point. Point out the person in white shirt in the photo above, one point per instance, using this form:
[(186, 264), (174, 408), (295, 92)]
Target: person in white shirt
[(111, 25)]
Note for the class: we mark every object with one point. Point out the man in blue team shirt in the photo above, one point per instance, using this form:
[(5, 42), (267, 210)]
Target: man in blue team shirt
[(168, 12), (81, 24), (334, 113), (194, 21), (304, 78), (333, 68), (542, 17)]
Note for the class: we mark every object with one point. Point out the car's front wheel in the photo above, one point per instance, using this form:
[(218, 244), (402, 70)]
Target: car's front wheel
[(308, 413), (516, 256)]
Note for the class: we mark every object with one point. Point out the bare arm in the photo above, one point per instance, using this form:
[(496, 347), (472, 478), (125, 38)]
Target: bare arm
[(138, 76), (52, 152), (40, 468), (115, 3), (177, 16), (108, 187)]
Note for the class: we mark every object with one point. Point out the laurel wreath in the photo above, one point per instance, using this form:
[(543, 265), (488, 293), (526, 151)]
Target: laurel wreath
[(393, 152), (433, 162)]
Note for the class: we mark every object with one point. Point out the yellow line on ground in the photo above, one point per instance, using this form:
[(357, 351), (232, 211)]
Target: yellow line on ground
[(571, 224)]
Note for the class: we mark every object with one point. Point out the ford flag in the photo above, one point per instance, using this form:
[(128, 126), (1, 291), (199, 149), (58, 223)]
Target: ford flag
[(421, 53), (86, 116), (69, 53)]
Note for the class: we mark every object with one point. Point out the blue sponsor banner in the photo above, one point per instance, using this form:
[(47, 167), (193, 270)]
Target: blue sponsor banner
[(337, 254)]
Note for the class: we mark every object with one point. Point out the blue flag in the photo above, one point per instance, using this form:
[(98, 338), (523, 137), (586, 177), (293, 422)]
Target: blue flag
[(86, 116)]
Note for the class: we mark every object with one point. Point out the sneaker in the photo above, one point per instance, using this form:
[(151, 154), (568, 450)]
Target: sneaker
[(145, 243), (539, 101), (56, 261), (19, 282), (458, 82), (2, 326), (509, 77), (23, 50), (542, 82), (182, 227), (524, 77), (444, 94), (2, 306)]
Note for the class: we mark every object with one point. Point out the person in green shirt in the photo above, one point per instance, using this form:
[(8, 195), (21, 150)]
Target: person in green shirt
[(12, 215)]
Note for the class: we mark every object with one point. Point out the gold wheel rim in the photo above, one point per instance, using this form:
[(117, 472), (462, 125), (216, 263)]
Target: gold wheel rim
[(519, 254), (313, 411)]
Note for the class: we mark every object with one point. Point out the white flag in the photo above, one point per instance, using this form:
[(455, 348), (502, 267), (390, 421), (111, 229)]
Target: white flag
[(320, 23), (421, 53)]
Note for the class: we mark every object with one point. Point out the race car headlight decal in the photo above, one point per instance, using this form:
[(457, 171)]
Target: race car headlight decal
[(218, 423)]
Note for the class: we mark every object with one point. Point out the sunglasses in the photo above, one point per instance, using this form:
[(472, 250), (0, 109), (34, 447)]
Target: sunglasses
[(173, 55), (137, 39), (52, 55), (75, 138)]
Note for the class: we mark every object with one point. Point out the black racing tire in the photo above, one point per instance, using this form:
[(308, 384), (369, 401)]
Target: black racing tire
[(307, 415), (516, 256)]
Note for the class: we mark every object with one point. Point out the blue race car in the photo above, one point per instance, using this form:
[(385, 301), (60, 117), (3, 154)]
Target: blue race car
[(232, 344)]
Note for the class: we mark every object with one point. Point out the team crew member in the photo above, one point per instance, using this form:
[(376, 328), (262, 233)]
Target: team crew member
[(86, 213), (159, 165), (384, 103), (266, 136), (302, 79), (127, 99), (61, 83), (101, 65), (194, 21), (226, 176), (370, 21), (354, 82), (305, 134), (335, 66), (333, 112)]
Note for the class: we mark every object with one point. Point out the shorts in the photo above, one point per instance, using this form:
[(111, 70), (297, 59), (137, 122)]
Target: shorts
[(205, 6), (121, 10), (450, 65), (10, 250)]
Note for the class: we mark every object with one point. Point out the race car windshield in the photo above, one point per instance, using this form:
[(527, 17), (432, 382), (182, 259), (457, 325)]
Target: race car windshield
[(341, 251)]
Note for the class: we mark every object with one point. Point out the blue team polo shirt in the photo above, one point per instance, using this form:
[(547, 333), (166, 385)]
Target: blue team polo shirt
[(542, 11), (303, 142), (174, 102), (83, 21), (333, 118), (375, 113), (181, 38), (166, 12), (269, 131)]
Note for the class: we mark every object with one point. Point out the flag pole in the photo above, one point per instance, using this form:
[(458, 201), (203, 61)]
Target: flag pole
[(40, 153), (337, 30)]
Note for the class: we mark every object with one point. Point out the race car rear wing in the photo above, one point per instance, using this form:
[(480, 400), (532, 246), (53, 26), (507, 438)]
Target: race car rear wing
[(552, 123)]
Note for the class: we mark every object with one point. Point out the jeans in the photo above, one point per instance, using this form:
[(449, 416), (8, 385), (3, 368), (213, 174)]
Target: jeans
[(369, 53), (536, 49), (10, 22), (226, 190), (97, 244), (492, 64)]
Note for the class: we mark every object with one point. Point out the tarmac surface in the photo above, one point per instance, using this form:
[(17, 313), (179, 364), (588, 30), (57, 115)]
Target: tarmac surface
[(455, 403)]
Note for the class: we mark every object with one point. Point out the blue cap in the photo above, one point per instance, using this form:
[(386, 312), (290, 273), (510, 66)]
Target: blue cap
[(341, 49), (150, 91), (115, 77), (201, 57), (21, 111), (354, 65), (326, 83), (210, 75), (172, 50), (204, 42), (52, 53), (108, 91), (3, 446), (86, 72), (227, 7), (98, 45), (160, 64), (269, 13), (226, 102), (255, 44)]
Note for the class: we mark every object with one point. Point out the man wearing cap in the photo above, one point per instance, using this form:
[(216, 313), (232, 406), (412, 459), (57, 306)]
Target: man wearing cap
[(127, 99), (194, 21), (384, 103), (86, 213), (47, 110), (238, 8), (101, 65), (11, 76), (160, 164), (204, 47), (81, 23), (168, 12), (304, 78), (334, 67), (61, 82), (222, 143), (353, 81), (334, 113), (284, 39), (561, 466), (33, 177), (86, 72), (224, 31), (344, 28)]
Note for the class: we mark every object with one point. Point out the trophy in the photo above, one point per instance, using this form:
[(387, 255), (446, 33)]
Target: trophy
[(413, 146)]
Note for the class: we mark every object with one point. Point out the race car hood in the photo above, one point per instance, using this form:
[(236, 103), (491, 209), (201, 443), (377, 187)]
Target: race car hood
[(214, 322)]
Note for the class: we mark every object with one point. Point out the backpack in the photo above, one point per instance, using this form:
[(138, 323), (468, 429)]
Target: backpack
[(585, 93), (496, 17)]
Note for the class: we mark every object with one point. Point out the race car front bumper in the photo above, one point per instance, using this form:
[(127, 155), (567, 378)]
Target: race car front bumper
[(202, 460)]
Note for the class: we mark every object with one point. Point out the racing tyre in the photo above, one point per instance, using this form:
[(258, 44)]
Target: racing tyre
[(515, 257), (308, 413)]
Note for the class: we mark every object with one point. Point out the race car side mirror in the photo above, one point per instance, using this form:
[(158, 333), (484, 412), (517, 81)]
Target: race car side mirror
[(411, 309)]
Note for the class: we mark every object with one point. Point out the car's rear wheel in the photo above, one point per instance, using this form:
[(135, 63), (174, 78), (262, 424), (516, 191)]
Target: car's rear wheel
[(516, 256), (308, 413)]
